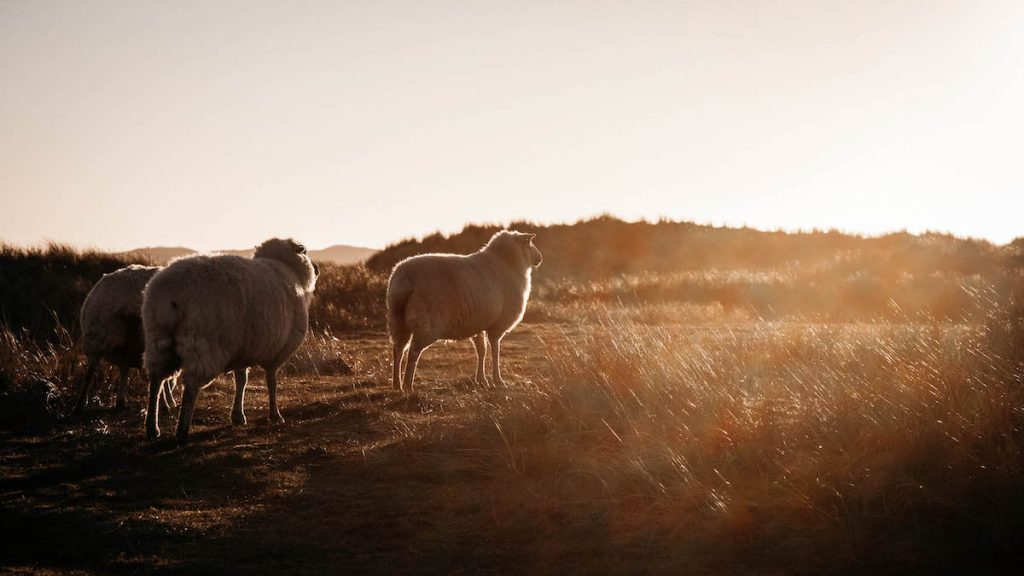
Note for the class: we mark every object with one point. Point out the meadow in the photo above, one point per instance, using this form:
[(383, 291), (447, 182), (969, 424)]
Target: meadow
[(680, 399)]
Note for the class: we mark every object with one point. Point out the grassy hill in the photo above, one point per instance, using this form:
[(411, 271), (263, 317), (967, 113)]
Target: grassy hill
[(814, 275), (42, 289), (659, 271), (606, 246)]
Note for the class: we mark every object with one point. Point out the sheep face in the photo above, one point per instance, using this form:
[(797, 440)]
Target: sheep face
[(293, 255)]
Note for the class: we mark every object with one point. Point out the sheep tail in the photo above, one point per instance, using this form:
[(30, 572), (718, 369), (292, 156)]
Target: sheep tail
[(399, 291)]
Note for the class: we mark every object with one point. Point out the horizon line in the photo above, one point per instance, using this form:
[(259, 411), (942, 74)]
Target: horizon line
[(86, 247)]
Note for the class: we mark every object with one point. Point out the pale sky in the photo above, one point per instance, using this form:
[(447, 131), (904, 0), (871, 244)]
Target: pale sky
[(216, 124)]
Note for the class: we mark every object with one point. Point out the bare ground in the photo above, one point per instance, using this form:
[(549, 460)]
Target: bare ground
[(348, 483)]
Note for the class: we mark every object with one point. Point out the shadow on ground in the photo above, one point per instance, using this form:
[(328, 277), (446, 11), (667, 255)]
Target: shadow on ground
[(349, 483)]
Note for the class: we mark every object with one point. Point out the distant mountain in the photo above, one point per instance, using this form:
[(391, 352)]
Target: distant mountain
[(337, 254), (342, 254), (156, 254)]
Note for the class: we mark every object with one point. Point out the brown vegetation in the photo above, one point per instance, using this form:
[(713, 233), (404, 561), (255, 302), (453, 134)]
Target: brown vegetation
[(652, 424)]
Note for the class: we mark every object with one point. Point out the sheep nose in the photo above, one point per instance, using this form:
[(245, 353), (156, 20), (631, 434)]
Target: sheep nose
[(316, 269)]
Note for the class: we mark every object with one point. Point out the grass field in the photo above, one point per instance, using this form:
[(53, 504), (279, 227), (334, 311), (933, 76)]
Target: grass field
[(618, 446), (687, 400)]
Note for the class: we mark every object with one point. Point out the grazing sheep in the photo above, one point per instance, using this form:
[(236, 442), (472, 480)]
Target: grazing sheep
[(111, 321), (207, 315), (435, 297)]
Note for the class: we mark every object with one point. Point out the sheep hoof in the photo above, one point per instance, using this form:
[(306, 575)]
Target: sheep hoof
[(276, 418), (152, 433), (238, 419)]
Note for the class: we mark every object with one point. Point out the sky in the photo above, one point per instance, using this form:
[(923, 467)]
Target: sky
[(217, 124)]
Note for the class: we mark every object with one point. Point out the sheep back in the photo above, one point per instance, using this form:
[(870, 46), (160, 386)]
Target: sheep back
[(111, 316), (454, 297), (212, 314)]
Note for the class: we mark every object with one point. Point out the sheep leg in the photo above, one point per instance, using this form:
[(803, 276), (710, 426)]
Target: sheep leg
[(275, 413), (152, 425), (189, 394), (415, 349), (481, 351), (122, 389), (397, 354), (238, 410), (495, 342), (90, 372)]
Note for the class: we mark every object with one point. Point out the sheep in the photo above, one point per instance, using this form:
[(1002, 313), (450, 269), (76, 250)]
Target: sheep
[(435, 297), (209, 314), (111, 320)]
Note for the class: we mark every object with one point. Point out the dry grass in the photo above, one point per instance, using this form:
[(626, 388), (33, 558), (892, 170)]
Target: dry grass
[(42, 289), (349, 298), (768, 447), (706, 422), (30, 396), (620, 446)]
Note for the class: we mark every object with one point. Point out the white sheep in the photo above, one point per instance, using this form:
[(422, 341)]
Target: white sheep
[(435, 297), (111, 320), (207, 315)]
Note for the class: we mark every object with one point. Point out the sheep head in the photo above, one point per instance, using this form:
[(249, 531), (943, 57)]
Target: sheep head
[(291, 254), (517, 248)]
